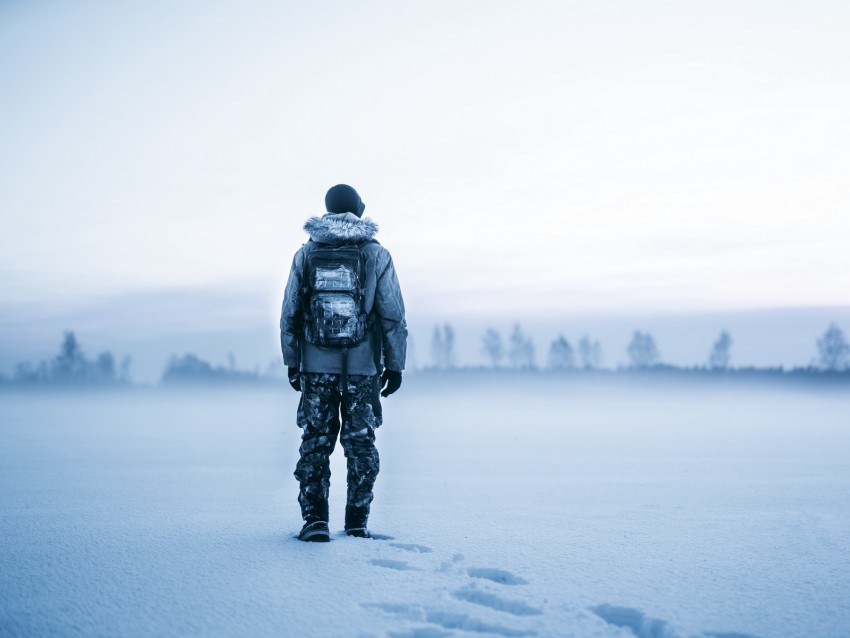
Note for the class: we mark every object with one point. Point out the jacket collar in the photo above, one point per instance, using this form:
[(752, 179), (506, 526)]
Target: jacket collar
[(340, 229)]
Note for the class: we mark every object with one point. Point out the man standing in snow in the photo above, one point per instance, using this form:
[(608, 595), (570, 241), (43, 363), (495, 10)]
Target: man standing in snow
[(344, 338)]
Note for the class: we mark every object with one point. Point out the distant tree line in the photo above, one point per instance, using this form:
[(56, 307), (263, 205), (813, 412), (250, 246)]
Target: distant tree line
[(518, 351), (191, 369), (833, 350), (71, 367)]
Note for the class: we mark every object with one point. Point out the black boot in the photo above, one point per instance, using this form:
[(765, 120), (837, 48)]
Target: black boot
[(315, 532), (355, 521)]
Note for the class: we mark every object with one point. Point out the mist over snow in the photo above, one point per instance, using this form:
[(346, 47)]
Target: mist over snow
[(215, 323)]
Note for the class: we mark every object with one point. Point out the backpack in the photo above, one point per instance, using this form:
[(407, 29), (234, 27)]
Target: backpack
[(333, 296)]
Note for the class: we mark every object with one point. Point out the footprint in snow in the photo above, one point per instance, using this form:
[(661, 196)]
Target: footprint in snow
[(643, 626), (394, 564), (500, 576), (382, 537), (435, 622), (411, 547), (444, 620), (486, 599)]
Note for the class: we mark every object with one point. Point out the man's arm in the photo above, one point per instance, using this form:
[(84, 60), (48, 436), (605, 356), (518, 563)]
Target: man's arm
[(389, 307), (291, 318)]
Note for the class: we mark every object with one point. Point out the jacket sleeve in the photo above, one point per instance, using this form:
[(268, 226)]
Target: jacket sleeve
[(291, 318), (389, 307)]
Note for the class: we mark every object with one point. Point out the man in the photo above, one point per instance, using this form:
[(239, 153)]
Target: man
[(344, 338)]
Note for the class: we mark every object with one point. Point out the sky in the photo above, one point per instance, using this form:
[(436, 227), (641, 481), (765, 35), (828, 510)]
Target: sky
[(524, 160)]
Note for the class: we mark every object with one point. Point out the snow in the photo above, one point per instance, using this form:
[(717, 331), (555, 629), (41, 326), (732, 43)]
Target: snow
[(507, 506)]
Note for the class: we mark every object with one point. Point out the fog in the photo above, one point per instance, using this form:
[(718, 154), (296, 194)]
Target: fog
[(522, 504), (214, 323)]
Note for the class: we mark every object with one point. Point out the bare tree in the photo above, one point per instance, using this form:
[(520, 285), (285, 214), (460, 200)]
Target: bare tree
[(70, 365), (521, 349), (833, 350), (449, 345), (721, 353), (590, 353), (561, 354), (124, 369), (642, 350), (492, 347), (437, 348), (104, 368), (443, 346)]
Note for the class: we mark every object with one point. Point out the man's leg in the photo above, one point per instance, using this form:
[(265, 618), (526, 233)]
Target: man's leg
[(318, 417), (358, 442)]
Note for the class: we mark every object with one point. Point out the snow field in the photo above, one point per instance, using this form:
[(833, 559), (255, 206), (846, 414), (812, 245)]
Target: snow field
[(507, 507)]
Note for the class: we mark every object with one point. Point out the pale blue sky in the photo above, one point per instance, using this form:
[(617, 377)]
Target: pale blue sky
[(556, 158)]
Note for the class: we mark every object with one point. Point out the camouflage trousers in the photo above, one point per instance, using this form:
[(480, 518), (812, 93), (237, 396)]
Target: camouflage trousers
[(325, 413)]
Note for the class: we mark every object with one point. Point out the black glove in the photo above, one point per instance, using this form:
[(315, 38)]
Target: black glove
[(294, 378), (390, 382)]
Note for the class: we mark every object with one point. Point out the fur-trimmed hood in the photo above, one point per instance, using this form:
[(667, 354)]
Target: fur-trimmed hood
[(340, 229)]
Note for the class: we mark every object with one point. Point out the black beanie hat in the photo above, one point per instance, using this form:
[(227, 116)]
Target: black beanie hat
[(344, 199)]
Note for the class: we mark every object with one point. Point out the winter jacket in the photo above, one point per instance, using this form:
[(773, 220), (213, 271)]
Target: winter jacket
[(382, 300)]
